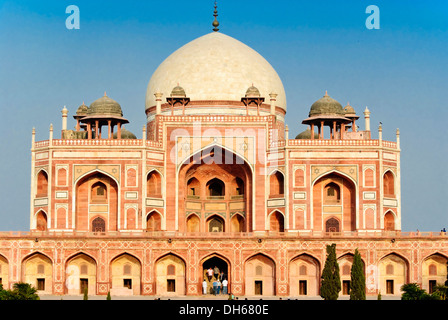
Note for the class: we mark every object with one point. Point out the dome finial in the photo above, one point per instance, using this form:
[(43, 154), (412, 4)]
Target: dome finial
[(215, 23)]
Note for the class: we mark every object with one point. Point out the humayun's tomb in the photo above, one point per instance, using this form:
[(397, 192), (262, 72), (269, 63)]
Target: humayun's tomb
[(216, 180)]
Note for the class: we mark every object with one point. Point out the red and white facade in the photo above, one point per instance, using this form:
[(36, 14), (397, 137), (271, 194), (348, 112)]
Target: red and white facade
[(215, 180)]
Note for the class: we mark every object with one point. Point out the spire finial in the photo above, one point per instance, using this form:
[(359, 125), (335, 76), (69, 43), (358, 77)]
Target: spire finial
[(215, 23), (105, 94)]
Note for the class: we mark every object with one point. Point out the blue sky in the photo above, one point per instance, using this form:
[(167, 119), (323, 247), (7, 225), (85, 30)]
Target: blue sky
[(399, 72)]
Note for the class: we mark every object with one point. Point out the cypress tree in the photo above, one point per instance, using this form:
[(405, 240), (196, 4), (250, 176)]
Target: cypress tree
[(358, 279), (331, 281)]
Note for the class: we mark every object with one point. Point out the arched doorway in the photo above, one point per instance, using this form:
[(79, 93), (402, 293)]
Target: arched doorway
[(38, 271), (389, 221), (80, 274), (154, 221), (42, 184), (334, 197), (218, 183), (97, 198), (276, 185), (4, 272), (125, 275), (276, 222), (98, 225), (170, 275), (215, 224), (237, 223), (434, 272), (216, 188), (216, 264), (154, 185), (393, 273), (304, 276), (260, 276), (193, 223), (332, 225), (41, 221)]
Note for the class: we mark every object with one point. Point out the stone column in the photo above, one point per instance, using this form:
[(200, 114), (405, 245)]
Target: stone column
[(273, 100), (367, 119), (158, 96), (64, 121)]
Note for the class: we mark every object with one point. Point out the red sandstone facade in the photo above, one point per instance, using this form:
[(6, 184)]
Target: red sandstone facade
[(148, 216)]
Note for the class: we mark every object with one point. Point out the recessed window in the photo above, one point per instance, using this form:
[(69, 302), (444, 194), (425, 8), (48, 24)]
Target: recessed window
[(99, 193), (171, 285), (303, 287), (127, 283), (389, 286), (41, 284), (171, 270), (332, 193)]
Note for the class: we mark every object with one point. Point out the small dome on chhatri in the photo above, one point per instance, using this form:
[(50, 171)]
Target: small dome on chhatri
[(82, 110), (252, 92), (125, 134), (348, 109), (307, 135), (178, 91), (325, 106), (105, 106)]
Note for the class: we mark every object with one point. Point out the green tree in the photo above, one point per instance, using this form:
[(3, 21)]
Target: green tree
[(440, 292), (331, 281), (358, 279), (412, 291), (20, 291), (86, 294), (108, 296)]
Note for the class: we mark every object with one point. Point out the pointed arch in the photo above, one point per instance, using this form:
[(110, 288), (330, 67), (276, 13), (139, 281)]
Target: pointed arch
[(4, 271), (390, 219), (193, 188), (237, 223), (193, 223), (154, 183), (41, 220), (42, 183), (215, 223), (85, 207), (276, 221), (170, 274), (390, 284), (433, 271), (195, 160), (304, 275), (122, 281), (80, 273), (37, 269), (256, 283), (332, 224), (154, 221), (215, 188), (276, 184), (98, 224), (389, 183), (347, 207)]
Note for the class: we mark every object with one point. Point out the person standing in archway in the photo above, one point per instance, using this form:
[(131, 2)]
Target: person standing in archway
[(210, 274), (216, 271), (224, 286), (204, 287)]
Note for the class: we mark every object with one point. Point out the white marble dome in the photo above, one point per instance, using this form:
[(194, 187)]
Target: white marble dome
[(215, 67)]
